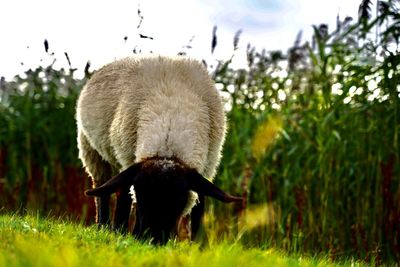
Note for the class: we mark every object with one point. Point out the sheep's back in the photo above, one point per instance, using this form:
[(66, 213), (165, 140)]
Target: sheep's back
[(126, 99), (99, 102)]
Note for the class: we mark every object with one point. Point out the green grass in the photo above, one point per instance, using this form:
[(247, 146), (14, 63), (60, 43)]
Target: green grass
[(312, 144), (35, 241)]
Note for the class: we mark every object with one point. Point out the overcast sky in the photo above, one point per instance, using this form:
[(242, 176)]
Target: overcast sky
[(95, 30)]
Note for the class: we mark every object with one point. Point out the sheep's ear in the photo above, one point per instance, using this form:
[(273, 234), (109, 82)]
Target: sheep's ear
[(123, 180), (203, 186)]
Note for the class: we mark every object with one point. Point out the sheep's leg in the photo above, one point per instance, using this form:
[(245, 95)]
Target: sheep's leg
[(100, 171), (196, 216), (102, 211), (184, 231), (137, 228), (122, 211)]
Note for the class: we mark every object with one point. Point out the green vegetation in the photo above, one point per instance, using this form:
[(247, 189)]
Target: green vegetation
[(31, 241), (38, 154), (313, 145), (330, 180)]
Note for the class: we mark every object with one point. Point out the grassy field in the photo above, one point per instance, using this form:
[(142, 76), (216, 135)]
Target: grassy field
[(313, 145), (34, 241)]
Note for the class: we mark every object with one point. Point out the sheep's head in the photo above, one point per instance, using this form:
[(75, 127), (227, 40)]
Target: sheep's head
[(162, 190)]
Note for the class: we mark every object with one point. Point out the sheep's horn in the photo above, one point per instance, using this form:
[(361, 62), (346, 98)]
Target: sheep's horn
[(122, 180), (201, 185)]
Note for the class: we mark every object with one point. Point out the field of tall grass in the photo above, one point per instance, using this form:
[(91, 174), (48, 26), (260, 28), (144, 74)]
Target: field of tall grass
[(313, 143)]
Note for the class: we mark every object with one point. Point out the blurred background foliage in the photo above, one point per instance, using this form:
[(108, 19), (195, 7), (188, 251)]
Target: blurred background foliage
[(313, 141)]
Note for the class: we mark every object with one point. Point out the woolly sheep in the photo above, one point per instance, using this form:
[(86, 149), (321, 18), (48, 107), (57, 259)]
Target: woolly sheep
[(159, 123)]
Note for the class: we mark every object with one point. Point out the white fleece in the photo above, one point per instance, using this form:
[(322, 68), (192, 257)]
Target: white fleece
[(137, 108)]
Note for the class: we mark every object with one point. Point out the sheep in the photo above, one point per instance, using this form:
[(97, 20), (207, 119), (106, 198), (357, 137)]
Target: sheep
[(159, 123)]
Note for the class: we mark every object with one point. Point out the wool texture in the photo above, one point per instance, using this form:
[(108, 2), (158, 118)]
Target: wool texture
[(144, 107)]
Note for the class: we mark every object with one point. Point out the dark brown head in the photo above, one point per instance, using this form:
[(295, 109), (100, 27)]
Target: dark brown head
[(162, 188)]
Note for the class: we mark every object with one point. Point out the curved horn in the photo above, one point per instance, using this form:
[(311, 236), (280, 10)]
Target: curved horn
[(201, 185), (123, 179)]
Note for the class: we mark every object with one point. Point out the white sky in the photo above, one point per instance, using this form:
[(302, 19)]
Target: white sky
[(94, 30)]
